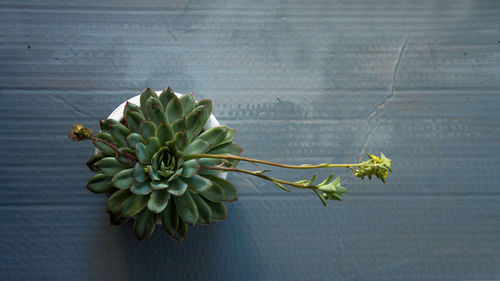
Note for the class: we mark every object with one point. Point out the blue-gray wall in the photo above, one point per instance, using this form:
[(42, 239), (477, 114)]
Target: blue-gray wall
[(301, 81)]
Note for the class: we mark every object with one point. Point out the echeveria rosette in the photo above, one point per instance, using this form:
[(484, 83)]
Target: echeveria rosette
[(149, 177)]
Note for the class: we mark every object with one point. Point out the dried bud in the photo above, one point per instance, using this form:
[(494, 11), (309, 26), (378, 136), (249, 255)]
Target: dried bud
[(79, 133)]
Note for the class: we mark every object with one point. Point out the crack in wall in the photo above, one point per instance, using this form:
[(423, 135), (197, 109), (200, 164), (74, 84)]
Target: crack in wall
[(392, 93), (79, 112)]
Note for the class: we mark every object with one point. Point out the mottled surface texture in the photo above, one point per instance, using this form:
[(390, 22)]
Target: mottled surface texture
[(301, 81)]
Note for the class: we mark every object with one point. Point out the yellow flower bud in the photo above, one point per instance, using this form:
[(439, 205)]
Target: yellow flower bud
[(78, 132)]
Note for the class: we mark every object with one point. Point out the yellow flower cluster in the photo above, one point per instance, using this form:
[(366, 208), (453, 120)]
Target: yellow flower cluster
[(375, 166)]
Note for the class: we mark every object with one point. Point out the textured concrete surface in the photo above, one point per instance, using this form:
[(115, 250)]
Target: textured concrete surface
[(301, 81)]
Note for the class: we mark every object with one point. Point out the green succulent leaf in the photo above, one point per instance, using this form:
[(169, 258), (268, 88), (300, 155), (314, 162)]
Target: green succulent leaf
[(154, 174), (142, 154), (172, 223), (123, 179), (134, 120), (105, 125), (170, 218), (228, 188), (145, 224), (91, 162), (215, 135), (227, 148), (219, 211), (177, 187), (164, 133), (119, 133), (175, 175), (100, 183), (148, 129), (206, 103), (198, 184), (174, 110), (138, 173), (141, 188), (166, 96), (130, 107), (196, 120), (204, 211), (134, 204), (179, 126), (181, 232), (186, 208), (158, 201), (190, 168), (145, 95), (115, 201), (125, 160), (105, 147), (196, 147), (155, 111), (215, 193), (134, 139), (152, 146), (180, 141), (160, 184), (188, 103), (109, 166), (229, 136)]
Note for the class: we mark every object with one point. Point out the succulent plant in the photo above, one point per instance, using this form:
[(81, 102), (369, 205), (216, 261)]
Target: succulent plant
[(158, 163), (142, 164)]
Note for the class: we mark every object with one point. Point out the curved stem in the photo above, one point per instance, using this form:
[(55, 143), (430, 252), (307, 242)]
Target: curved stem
[(260, 175), (130, 156), (303, 166)]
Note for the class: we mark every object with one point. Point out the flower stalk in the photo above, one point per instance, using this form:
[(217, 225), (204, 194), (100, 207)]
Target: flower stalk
[(80, 133), (239, 158), (331, 189)]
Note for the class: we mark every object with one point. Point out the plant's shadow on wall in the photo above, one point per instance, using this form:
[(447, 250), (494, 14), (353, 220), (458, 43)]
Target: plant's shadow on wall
[(217, 251)]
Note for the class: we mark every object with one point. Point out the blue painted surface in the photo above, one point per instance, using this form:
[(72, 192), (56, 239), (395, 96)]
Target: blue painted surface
[(301, 81)]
